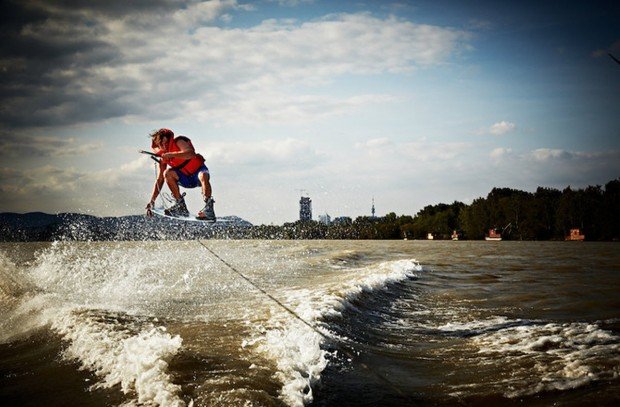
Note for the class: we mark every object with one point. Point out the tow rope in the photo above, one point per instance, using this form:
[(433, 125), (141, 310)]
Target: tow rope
[(345, 351)]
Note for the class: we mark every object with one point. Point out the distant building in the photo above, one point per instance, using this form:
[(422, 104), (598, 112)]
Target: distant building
[(325, 219), (305, 208), (342, 220), (372, 211)]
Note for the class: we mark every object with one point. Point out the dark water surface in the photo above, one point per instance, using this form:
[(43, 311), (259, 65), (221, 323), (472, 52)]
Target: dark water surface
[(396, 323)]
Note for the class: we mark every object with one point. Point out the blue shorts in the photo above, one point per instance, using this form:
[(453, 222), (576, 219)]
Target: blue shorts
[(191, 181)]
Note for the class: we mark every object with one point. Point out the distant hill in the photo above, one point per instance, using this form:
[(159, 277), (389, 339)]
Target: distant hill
[(29, 220), (38, 226)]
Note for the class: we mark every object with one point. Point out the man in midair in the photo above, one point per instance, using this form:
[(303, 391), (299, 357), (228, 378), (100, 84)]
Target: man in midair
[(186, 168)]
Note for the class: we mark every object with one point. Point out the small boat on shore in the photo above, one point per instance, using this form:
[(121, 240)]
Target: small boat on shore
[(575, 235), (494, 235)]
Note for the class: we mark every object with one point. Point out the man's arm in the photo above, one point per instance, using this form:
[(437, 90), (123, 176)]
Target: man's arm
[(159, 183), (187, 151)]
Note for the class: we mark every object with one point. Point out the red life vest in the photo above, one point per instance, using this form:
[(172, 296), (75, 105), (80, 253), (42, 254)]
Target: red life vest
[(187, 166)]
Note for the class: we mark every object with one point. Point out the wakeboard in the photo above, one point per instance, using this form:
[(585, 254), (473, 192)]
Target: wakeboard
[(161, 212)]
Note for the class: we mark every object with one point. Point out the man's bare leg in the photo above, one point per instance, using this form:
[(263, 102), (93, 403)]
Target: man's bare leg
[(206, 185), (172, 179)]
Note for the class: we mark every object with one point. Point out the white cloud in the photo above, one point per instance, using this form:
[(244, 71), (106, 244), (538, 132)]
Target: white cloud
[(38, 182), (500, 153), (155, 66), (269, 154), (382, 163), (434, 152), (267, 106), (501, 128), (554, 167), (206, 12), (374, 143), (46, 146), (419, 151), (53, 189), (291, 3), (280, 63), (111, 177), (546, 154)]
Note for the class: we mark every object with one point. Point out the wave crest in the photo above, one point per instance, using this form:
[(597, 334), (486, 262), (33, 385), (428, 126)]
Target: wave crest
[(295, 348), (137, 362)]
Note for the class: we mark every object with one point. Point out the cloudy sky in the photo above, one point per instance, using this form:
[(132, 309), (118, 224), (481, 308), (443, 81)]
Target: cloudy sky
[(410, 102)]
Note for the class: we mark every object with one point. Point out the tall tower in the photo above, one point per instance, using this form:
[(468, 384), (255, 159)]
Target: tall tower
[(305, 208), (373, 207)]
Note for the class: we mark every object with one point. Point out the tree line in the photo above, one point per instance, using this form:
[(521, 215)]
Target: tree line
[(547, 214)]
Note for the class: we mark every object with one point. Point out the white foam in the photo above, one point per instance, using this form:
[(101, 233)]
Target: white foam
[(138, 362), (475, 326), (66, 280), (24, 308), (566, 356), (94, 275), (296, 348), (27, 315), (10, 286)]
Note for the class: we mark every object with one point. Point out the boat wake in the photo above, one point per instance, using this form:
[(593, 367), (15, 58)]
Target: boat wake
[(165, 323), (80, 297), (565, 355), (542, 356), (137, 361), (299, 352)]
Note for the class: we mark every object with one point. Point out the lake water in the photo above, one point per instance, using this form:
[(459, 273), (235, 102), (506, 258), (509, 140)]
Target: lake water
[(318, 323)]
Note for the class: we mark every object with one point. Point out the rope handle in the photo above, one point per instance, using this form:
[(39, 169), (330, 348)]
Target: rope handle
[(153, 156)]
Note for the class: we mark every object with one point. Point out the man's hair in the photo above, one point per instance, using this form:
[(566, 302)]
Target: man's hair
[(158, 135)]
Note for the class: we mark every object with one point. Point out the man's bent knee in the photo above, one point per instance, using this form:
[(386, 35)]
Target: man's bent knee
[(171, 174)]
